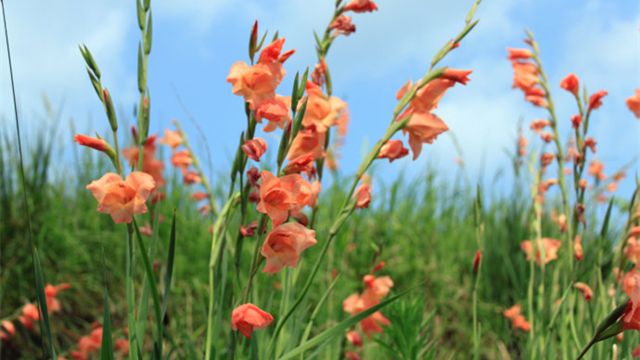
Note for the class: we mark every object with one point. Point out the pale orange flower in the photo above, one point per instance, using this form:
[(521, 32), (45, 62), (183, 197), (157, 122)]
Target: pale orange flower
[(513, 311), (50, 292), (547, 137), (363, 194), (378, 288), (315, 190), (522, 145), (360, 6), (7, 331), (595, 168), (321, 112), (276, 111), (584, 289), (88, 344), (199, 196), (150, 164), (283, 246), (393, 150), (538, 125), (308, 141), (423, 127), (303, 163), (278, 195), (546, 159), (247, 318), (357, 303), (595, 100), (631, 315), (342, 24), (94, 143), (514, 54), (171, 138), (182, 159), (191, 177), (354, 338), (525, 75), (254, 148), (146, 229), (550, 249), (571, 84), (536, 96), (633, 102), (122, 198), (518, 321)]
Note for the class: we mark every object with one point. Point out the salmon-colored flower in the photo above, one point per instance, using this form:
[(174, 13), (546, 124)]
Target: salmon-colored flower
[(308, 141), (88, 344), (363, 194), (576, 120), (423, 127), (94, 143), (171, 138), (538, 125), (633, 102), (319, 74), (191, 177), (584, 289), (315, 190), (525, 75), (182, 159), (199, 196), (122, 345), (321, 111), (342, 25), (376, 289), (283, 246), (29, 315), (578, 252), (77, 355), (350, 355), (247, 318), (393, 150), (279, 195), (547, 137), (303, 163), (518, 321), (146, 229), (523, 54), (546, 159), (591, 144), (122, 198), (595, 100), (354, 338), (379, 287), (513, 311), (150, 164), (571, 84), (50, 292), (522, 145), (595, 168), (276, 111), (360, 6), (7, 331), (550, 247), (254, 148)]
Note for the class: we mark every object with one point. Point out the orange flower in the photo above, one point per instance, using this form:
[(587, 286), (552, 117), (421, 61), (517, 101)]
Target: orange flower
[(315, 190), (538, 125), (308, 141), (633, 102), (254, 148), (342, 24), (576, 120), (276, 111), (321, 111), (150, 164), (121, 198), (550, 249), (249, 230), (536, 96), (283, 246), (88, 344), (363, 193), (191, 177), (199, 195), (571, 84), (476, 261), (547, 137), (319, 74), (423, 127), (8, 330), (584, 289), (50, 292), (591, 144), (595, 100), (279, 195), (91, 142), (303, 163), (376, 289), (518, 54), (518, 321), (182, 159), (525, 75), (360, 6), (248, 318), (29, 314), (354, 338), (513, 311), (171, 138), (393, 150), (546, 159), (595, 168), (631, 315)]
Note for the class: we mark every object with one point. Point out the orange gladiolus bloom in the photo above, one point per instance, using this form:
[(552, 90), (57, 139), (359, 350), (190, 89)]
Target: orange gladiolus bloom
[(247, 318), (376, 289), (360, 6), (199, 195), (584, 289), (354, 338), (303, 163), (595, 100), (536, 96), (321, 111), (90, 343), (550, 249), (633, 102), (363, 193), (171, 138), (283, 246), (150, 164), (8, 330), (254, 148), (571, 84), (308, 141), (424, 127), (279, 195), (29, 314), (393, 150), (182, 159), (91, 142), (525, 75), (50, 292), (342, 24), (122, 198), (514, 54), (518, 321)]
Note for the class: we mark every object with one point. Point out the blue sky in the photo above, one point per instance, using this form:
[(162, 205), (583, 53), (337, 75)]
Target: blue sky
[(196, 42)]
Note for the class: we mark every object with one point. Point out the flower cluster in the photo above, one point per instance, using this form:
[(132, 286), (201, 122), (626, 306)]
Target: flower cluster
[(376, 289)]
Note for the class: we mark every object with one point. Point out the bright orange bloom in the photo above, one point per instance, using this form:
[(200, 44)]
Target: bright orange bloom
[(633, 102), (342, 24), (376, 289), (546, 159), (536, 96), (538, 125), (571, 84), (191, 177), (8, 330), (595, 100), (363, 193), (550, 249), (360, 6), (283, 246), (199, 196), (91, 142), (525, 75), (88, 344), (182, 159), (150, 164), (595, 168), (248, 318), (631, 315), (393, 150), (354, 338), (254, 148), (276, 111), (171, 138), (308, 141), (303, 163), (513, 311), (122, 198), (50, 292), (279, 195), (547, 137), (584, 289), (321, 111), (514, 54), (518, 321), (29, 314), (423, 127)]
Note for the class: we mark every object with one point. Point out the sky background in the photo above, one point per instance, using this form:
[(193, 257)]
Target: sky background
[(196, 42)]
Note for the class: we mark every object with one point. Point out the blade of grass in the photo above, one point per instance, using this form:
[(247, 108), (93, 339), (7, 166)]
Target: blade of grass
[(168, 276), (106, 350)]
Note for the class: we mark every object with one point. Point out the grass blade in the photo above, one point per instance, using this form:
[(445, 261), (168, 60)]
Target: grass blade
[(106, 351), (172, 249)]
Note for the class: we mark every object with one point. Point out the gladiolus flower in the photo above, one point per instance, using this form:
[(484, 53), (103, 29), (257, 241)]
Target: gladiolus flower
[(342, 24), (393, 150), (536, 96), (247, 318), (182, 159), (576, 120), (8, 330), (595, 100), (171, 138), (50, 292), (350, 355), (571, 84), (121, 198), (379, 266), (550, 249), (363, 194), (476, 261), (354, 338), (279, 195), (319, 74), (376, 289), (591, 144), (321, 111), (538, 125), (522, 54), (308, 141), (595, 168), (29, 314), (254, 148), (191, 177), (546, 137), (303, 163), (77, 355), (283, 246), (546, 159), (249, 230), (584, 289), (633, 102), (423, 127), (276, 111), (315, 190), (94, 143), (146, 229), (522, 145), (89, 344), (199, 196), (360, 6), (578, 252), (150, 164), (518, 321), (525, 75)]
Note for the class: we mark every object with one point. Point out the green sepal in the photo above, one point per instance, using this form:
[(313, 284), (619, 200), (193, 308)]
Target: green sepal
[(141, 14), (148, 35), (142, 76), (88, 58)]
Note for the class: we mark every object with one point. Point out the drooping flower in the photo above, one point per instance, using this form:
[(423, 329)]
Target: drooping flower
[(308, 141), (550, 249), (423, 127), (584, 289), (50, 292), (633, 102), (536, 96), (522, 54), (360, 6), (571, 84), (279, 195), (171, 138), (247, 318), (254, 148), (250, 229), (122, 198), (283, 246), (393, 150), (363, 194), (342, 25), (595, 100), (354, 338)]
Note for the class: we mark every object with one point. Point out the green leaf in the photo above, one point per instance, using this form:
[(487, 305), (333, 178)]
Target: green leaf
[(141, 14), (297, 123), (148, 35), (168, 276), (42, 300), (147, 4), (303, 84), (91, 63), (106, 350), (275, 36), (294, 93), (329, 334)]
